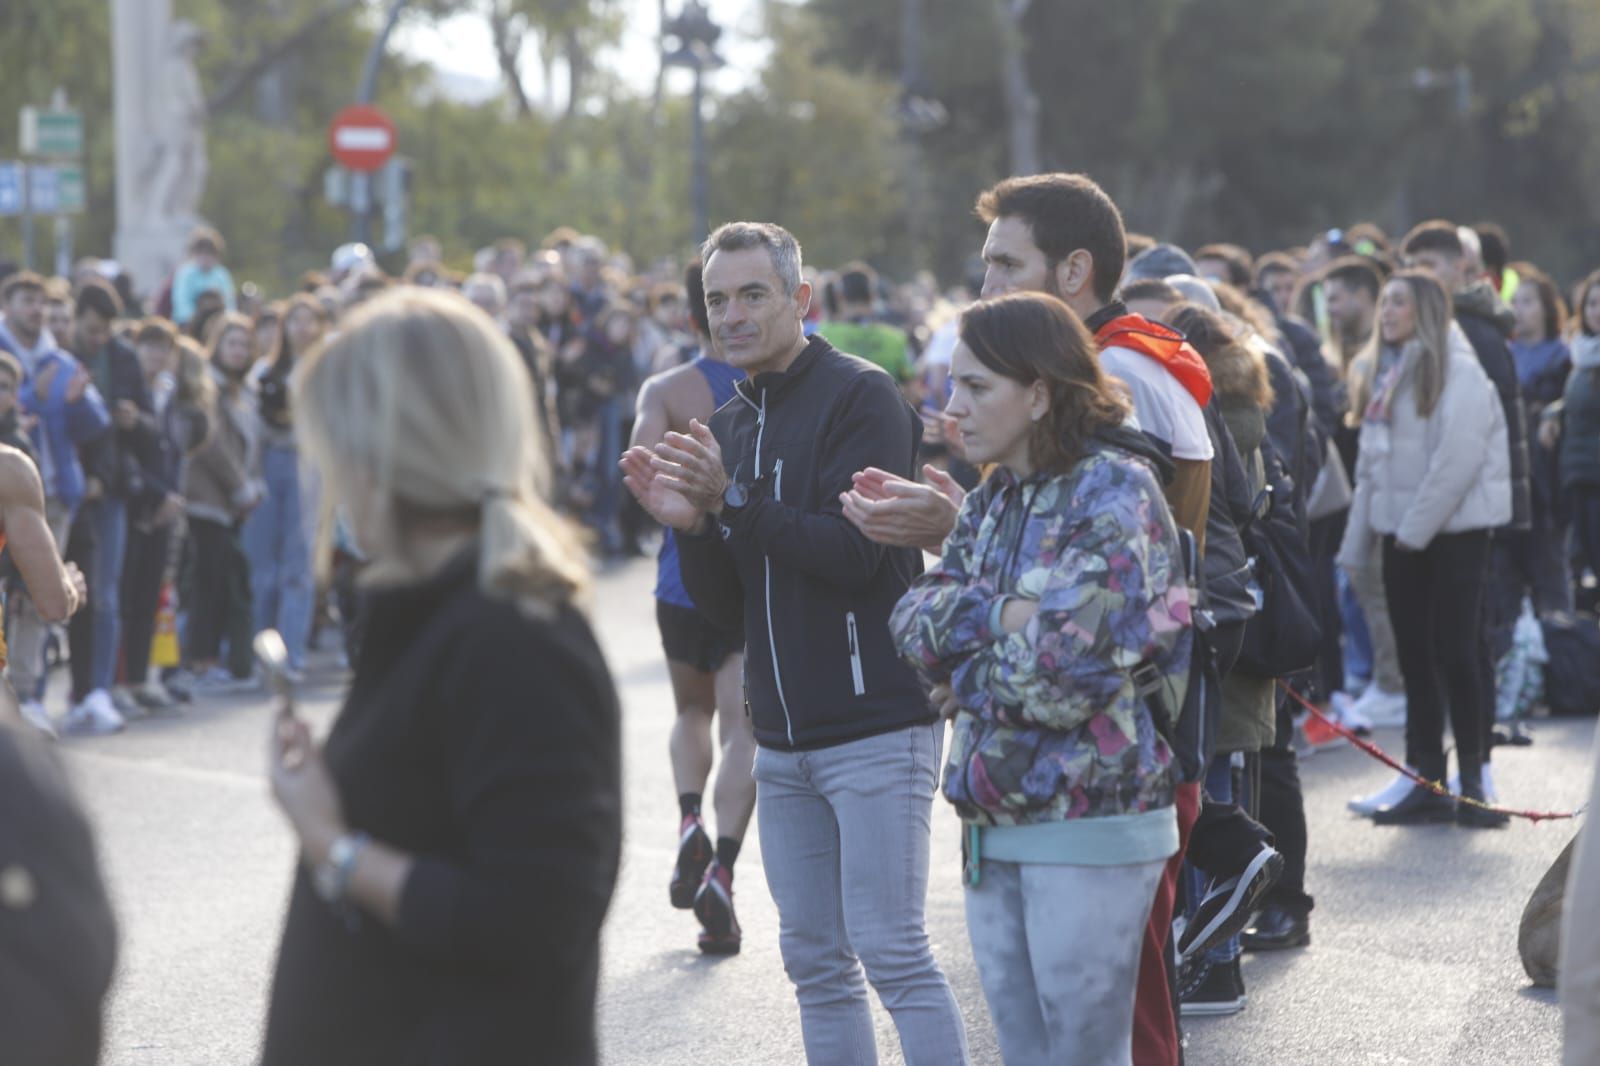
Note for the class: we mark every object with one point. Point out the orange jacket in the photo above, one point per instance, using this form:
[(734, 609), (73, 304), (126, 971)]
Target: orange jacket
[(1163, 344)]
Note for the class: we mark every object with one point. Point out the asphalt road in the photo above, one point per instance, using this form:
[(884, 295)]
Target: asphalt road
[(1414, 936)]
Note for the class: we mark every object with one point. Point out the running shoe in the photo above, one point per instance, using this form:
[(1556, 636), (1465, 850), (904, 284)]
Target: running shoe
[(1228, 905), (713, 905), (694, 855)]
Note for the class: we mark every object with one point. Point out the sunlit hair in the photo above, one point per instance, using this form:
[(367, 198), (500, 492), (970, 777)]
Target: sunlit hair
[(219, 327), (195, 385), (1431, 341), (422, 402), (1580, 303), (1031, 337), (281, 354)]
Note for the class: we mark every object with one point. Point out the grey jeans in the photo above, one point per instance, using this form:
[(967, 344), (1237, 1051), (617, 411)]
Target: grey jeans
[(844, 839), (28, 630), (1367, 583), (1058, 952)]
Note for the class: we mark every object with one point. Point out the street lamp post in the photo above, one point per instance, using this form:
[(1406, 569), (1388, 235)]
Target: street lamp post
[(361, 183), (696, 37)]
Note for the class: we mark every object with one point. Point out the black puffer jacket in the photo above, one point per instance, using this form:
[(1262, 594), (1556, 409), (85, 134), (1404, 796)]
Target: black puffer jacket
[(811, 593), (1478, 313)]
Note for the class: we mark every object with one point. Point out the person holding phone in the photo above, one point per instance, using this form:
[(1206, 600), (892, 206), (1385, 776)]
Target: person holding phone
[(1055, 631), (460, 829)]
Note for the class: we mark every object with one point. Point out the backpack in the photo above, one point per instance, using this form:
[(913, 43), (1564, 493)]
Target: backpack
[(1191, 733), (1572, 676), (1285, 635)]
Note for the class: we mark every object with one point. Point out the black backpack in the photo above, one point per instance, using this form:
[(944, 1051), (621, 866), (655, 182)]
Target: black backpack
[(1285, 635), (1572, 676)]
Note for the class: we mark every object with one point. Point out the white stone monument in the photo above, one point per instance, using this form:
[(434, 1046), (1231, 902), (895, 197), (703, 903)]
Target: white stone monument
[(161, 148)]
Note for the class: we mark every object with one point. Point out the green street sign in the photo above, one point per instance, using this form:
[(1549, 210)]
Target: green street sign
[(69, 190), (52, 133)]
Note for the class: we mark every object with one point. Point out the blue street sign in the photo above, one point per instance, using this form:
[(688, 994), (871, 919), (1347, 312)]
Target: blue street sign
[(10, 188), (44, 190)]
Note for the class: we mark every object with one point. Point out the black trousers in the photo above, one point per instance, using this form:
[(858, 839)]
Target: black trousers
[(1283, 812), (142, 572), (219, 597), (1436, 603)]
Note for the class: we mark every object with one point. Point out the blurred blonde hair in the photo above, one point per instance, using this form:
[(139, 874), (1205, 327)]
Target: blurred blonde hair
[(422, 397)]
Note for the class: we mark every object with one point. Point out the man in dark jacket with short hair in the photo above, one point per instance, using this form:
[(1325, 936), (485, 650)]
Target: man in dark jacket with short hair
[(849, 749), (116, 477)]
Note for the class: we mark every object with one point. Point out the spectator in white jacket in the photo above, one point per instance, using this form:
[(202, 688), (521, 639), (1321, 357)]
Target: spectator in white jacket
[(1433, 478)]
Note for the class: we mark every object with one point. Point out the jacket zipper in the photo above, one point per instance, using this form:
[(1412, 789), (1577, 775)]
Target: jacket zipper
[(855, 654), (772, 640)]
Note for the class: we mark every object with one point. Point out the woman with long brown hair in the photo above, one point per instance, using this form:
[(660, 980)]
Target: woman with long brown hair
[(1432, 479), (278, 536), (222, 485), (1061, 584)]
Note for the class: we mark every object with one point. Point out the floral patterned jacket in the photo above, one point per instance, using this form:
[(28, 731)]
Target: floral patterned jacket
[(1051, 726)]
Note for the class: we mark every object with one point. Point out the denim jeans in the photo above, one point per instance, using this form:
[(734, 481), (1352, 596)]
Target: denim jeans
[(1357, 641), (844, 839), (108, 517), (1057, 949), (277, 543)]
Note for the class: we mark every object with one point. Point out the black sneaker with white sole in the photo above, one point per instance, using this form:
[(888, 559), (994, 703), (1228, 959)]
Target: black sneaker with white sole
[(694, 855), (1209, 989), (1226, 908)]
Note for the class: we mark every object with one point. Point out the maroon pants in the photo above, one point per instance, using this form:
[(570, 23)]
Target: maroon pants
[(1155, 1016)]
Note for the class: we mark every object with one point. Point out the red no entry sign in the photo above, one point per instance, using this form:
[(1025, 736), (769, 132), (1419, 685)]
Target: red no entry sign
[(361, 137)]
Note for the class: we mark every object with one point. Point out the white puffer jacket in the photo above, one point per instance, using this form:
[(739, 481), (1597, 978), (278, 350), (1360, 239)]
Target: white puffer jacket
[(1448, 473)]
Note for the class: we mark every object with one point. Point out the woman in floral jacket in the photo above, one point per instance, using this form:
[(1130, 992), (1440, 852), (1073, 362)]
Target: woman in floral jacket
[(1061, 584)]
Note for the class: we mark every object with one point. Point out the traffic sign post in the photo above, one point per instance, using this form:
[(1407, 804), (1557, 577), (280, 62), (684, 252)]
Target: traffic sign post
[(11, 180), (362, 139), (55, 187), (56, 132)]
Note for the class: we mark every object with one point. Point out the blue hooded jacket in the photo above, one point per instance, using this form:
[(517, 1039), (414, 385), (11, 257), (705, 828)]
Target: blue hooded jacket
[(63, 427)]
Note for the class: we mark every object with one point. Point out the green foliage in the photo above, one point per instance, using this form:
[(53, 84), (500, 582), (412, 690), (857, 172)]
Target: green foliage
[(1242, 119)]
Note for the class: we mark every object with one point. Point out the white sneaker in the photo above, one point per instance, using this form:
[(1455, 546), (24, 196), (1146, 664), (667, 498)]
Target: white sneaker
[(1350, 715), (153, 696), (1489, 793), (34, 714), (94, 717), (1390, 794), (122, 699), (1380, 708)]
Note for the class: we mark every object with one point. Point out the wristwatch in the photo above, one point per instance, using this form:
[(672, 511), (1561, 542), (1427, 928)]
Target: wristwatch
[(332, 876), (736, 495)]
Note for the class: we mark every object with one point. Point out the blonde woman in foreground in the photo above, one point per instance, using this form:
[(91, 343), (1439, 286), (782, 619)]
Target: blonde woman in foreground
[(460, 829)]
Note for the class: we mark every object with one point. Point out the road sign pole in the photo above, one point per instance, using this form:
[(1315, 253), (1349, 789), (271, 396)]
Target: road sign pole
[(64, 246), (27, 217)]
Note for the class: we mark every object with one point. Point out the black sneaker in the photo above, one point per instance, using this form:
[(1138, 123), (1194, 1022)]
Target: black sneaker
[(1226, 908), (694, 855), (1210, 989), (1420, 806)]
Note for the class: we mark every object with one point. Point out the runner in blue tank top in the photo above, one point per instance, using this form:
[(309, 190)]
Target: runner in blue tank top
[(706, 666)]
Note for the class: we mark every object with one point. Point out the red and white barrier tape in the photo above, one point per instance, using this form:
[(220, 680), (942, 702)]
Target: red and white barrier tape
[(1432, 786)]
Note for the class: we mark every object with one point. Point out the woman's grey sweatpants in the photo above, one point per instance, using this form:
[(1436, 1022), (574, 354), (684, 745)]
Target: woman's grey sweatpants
[(1058, 949)]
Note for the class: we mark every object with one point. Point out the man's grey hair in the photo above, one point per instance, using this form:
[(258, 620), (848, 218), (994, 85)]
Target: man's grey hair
[(779, 243)]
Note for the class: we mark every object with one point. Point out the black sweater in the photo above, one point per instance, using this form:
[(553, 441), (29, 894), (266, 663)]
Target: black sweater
[(810, 592), (485, 743)]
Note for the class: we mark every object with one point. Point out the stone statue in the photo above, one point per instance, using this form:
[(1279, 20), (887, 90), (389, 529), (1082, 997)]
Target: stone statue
[(177, 168)]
